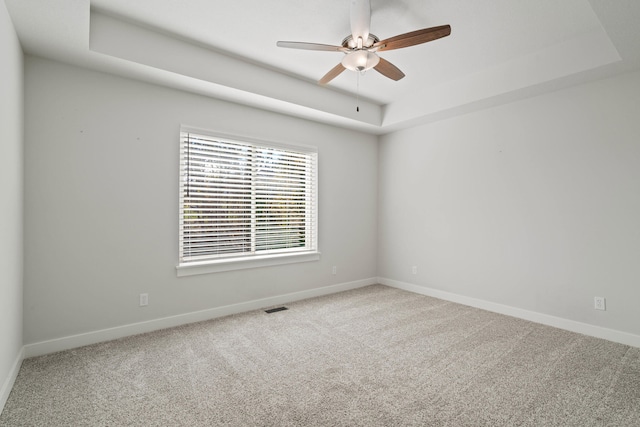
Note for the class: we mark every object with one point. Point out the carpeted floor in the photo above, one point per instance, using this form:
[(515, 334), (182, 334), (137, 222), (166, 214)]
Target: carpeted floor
[(375, 356)]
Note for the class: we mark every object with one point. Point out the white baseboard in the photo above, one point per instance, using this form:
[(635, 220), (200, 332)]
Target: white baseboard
[(11, 379), (545, 319), (74, 341)]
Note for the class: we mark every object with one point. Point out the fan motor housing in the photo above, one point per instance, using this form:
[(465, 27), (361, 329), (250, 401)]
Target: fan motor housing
[(348, 41)]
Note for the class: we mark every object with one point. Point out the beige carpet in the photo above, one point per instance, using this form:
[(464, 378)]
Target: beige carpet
[(375, 356)]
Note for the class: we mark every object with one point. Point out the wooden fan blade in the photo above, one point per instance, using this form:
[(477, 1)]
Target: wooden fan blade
[(413, 38), (312, 46), (387, 69), (332, 74)]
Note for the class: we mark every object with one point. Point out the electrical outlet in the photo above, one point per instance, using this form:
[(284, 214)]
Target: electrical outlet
[(334, 270), (144, 300), (599, 303), (414, 270)]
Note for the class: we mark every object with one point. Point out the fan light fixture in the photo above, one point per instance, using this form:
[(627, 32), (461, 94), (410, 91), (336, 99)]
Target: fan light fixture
[(360, 60)]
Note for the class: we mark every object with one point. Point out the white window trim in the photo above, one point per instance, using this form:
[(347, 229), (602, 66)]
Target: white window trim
[(253, 261), (241, 263)]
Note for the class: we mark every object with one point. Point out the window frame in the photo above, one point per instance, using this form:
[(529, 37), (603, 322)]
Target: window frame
[(245, 260)]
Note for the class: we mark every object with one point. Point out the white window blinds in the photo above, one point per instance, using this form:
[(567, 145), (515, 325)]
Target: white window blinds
[(243, 198)]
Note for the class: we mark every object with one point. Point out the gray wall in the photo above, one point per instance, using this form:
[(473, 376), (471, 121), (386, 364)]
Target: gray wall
[(101, 202), (533, 205), (11, 190)]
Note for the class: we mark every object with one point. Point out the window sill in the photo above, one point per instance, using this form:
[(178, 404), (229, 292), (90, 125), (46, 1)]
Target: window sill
[(230, 264)]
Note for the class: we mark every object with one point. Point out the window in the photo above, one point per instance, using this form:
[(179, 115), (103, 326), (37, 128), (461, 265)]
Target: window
[(245, 201)]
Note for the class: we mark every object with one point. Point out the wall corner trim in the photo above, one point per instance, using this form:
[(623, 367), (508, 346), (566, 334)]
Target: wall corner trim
[(7, 385), (533, 316)]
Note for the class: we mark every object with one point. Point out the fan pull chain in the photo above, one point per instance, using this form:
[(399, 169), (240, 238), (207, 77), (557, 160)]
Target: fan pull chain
[(357, 92)]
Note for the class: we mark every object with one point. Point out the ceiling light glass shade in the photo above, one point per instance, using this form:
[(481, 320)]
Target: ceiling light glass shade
[(360, 60)]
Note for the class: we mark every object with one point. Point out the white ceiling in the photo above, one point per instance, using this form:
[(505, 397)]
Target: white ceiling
[(498, 51)]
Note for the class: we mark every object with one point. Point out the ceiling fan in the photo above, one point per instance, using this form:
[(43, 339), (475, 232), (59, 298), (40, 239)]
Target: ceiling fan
[(361, 47)]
